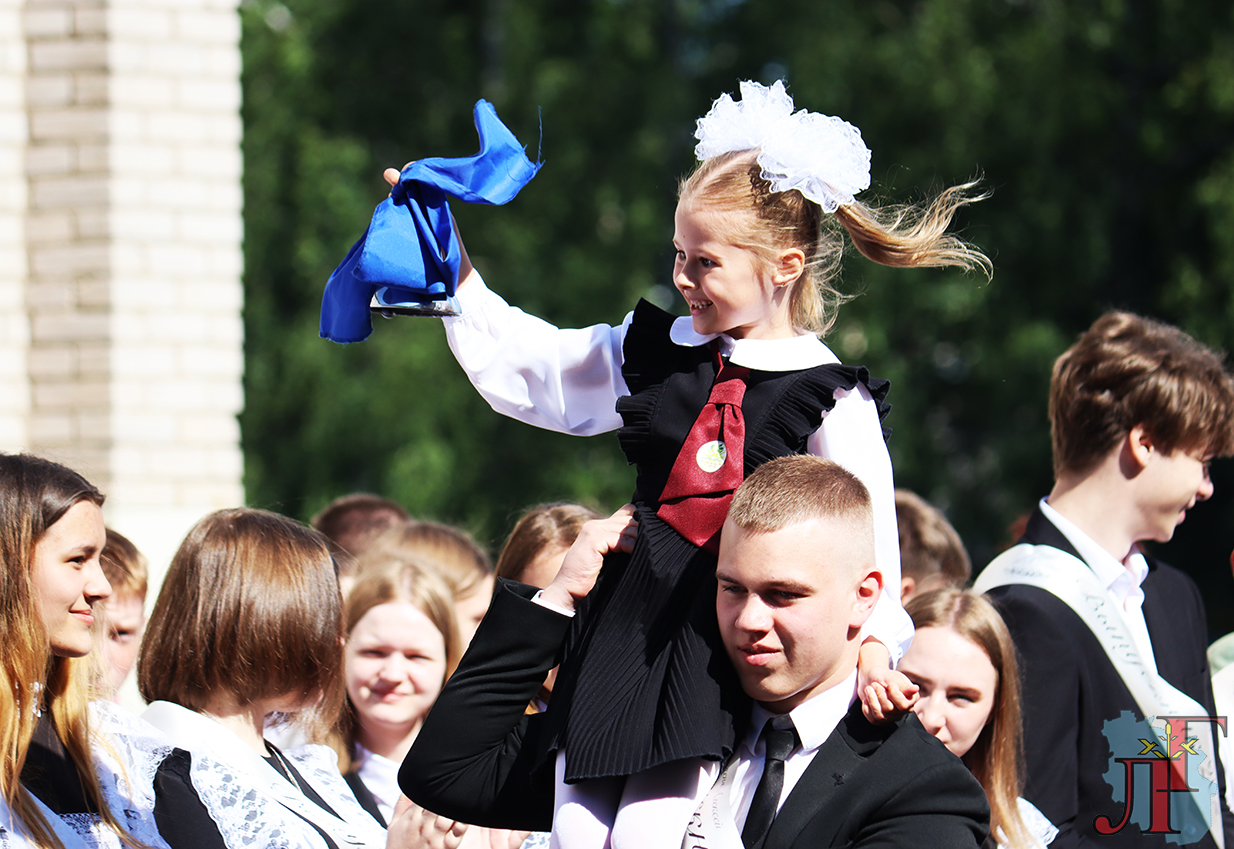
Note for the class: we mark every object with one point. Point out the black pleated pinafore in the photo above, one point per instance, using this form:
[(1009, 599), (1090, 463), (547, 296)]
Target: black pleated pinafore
[(645, 679)]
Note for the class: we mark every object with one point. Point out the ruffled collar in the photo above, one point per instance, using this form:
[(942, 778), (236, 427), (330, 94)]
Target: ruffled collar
[(792, 354)]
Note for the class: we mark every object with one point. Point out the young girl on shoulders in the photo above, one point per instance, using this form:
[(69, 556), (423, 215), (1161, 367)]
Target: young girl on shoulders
[(698, 403)]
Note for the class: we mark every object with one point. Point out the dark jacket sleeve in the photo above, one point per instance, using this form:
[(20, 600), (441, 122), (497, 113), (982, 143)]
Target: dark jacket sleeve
[(882, 787), (475, 758), (182, 819)]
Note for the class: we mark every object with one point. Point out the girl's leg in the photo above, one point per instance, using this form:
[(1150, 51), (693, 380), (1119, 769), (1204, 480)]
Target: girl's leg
[(656, 805), (583, 812)]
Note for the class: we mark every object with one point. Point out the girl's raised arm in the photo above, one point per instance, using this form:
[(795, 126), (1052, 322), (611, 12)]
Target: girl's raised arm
[(562, 380)]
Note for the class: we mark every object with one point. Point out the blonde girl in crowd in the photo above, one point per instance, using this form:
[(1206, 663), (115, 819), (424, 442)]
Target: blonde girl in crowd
[(402, 644), (963, 661), (455, 556)]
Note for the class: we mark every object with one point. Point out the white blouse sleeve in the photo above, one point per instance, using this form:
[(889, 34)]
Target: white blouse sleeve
[(852, 435), (563, 380)]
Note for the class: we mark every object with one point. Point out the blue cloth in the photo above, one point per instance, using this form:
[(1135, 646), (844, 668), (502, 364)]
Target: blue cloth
[(410, 243)]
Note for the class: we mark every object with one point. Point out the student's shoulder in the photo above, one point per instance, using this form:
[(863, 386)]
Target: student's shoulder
[(905, 746), (910, 744), (1035, 611), (1171, 583), (921, 788)]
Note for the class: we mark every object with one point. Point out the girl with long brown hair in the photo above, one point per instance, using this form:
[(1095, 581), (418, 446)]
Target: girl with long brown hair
[(68, 779), (964, 664)]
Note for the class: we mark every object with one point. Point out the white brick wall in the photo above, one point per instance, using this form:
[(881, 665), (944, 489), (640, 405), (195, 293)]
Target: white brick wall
[(174, 124), (120, 252), (14, 325)]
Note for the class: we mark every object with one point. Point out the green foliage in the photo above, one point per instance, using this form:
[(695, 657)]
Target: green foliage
[(1105, 132)]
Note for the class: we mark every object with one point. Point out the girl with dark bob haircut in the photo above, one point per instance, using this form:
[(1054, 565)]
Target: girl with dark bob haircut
[(249, 623)]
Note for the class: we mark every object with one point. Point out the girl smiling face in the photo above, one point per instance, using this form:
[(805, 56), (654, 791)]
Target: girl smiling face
[(68, 580), (396, 664), (729, 289)]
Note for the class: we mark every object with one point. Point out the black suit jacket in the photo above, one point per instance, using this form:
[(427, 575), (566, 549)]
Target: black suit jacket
[(1070, 688), (868, 786)]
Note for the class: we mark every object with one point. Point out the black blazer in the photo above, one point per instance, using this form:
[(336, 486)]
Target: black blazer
[(868, 786), (1070, 688)]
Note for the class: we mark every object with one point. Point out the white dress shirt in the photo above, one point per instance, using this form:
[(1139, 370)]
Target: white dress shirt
[(380, 776), (1123, 579), (815, 720), (569, 381)]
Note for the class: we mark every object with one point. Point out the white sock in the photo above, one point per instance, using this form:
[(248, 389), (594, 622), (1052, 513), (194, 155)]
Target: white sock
[(656, 805), (583, 813)]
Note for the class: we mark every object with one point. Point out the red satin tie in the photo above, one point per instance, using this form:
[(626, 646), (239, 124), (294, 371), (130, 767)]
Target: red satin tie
[(711, 464)]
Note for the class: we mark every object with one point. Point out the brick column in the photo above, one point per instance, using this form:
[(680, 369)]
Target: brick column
[(133, 230), (14, 324)]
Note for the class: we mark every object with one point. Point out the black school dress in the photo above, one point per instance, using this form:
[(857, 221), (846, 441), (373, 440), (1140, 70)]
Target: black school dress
[(645, 679)]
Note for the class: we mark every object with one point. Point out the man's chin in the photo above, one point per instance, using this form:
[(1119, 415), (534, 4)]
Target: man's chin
[(756, 684)]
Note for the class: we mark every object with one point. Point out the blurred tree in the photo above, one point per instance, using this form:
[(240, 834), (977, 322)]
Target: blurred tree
[(1105, 132)]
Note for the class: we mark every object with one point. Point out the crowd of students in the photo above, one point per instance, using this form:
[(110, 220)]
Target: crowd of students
[(289, 670), (736, 646)]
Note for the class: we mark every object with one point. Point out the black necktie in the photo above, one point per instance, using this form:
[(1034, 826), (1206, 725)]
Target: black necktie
[(779, 743)]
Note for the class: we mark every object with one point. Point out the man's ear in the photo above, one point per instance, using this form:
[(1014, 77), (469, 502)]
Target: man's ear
[(1138, 448), (865, 596), (792, 263)]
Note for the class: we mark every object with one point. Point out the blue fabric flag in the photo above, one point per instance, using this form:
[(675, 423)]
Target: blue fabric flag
[(410, 244)]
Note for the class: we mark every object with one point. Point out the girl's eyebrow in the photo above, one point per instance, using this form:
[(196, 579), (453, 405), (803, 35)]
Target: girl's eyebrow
[(967, 692)]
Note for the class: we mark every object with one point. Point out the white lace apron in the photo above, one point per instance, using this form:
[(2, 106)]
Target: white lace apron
[(254, 806)]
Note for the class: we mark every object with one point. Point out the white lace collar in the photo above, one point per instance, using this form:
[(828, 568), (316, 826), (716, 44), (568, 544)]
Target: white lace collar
[(201, 735), (254, 805), (792, 354), (126, 753)]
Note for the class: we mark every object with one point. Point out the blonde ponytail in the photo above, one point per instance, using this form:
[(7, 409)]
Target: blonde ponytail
[(900, 236)]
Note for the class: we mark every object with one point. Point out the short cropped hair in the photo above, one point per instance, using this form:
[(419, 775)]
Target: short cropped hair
[(929, 545), (124, 566), (353, 521), (1127, 370), (790, 490), (250, 608)]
